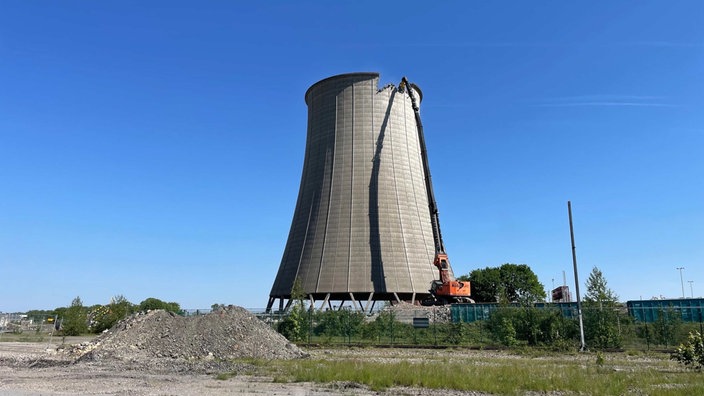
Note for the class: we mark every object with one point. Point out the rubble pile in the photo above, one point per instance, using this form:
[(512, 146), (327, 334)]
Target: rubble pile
[(405, 312), (162, 340)]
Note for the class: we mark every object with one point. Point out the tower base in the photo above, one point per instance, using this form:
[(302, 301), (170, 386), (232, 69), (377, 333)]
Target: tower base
[(363, 302)]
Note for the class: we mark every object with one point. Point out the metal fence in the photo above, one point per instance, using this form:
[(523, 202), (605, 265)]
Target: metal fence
[(468, 313), (19, 323), (649, 311), (423, 328)]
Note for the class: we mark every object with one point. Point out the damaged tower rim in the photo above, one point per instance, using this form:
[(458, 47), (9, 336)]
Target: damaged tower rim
[(361, 230), (355, 74)]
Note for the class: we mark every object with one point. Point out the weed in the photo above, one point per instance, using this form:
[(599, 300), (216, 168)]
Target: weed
[(498, 373), (691, 353), (599, 359)]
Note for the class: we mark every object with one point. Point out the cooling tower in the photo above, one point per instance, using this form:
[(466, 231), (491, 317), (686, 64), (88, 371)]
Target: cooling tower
[(361, 230)]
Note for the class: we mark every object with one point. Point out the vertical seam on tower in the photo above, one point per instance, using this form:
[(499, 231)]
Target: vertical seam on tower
[(327, 212), (400, 215), (304, 177), (398, 206), (305, 238), (431, 256), (425, 207), (349, 229), (368, 228)]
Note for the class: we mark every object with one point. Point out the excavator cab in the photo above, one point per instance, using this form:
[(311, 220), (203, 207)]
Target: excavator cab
[(447, 289)]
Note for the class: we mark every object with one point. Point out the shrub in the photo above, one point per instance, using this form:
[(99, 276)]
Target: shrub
[(295, 326), (691, 353), (105, 316), (76, 319), (501, 326), (152, 303), (667, 326), (601, 316), (531, 325)]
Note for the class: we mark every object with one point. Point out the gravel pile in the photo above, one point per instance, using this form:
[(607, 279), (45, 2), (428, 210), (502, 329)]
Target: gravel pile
[(159, 340)]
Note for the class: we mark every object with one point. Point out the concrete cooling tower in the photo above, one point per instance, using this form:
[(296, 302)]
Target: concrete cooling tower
[(361, 231)]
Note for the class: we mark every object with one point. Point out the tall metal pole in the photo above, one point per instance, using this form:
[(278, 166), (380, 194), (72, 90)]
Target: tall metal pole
[(681, 279), (691, 290), (583, 345)]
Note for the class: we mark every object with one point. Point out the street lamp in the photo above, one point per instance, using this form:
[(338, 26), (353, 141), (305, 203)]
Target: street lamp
[(691, 290), (681, 279)]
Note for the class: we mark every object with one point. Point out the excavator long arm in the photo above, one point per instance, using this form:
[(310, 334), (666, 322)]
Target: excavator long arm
[(432, 204), (447, 289)]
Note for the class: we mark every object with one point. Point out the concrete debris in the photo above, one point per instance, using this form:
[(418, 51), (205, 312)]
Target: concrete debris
[(405, 312), (162, 341)]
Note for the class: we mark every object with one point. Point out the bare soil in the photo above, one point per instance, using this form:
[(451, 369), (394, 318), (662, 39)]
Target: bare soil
[(157, 353), (33, 369)]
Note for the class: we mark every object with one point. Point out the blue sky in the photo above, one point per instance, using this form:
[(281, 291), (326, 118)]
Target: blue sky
[(154, 149)]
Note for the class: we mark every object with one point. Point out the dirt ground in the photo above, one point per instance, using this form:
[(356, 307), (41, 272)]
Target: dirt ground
[(33, 368)]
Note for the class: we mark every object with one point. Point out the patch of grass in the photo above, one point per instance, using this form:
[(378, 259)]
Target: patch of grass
[(224, 376), (506, 375), (31, 338), (23, 337), (247, 367)]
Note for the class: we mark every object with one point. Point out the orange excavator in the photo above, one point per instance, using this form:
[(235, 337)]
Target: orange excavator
[(446, 289)]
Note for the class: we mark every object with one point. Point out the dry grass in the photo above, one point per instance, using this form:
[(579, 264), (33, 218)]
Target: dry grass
[(495, 372)]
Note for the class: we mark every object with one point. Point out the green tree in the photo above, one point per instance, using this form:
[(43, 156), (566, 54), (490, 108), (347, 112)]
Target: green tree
[(667, 326), (339, 323), (75, 321), (60, 312), (105, 316), (121, 307), (501, 326), (601, 316), (598, 291), (508, 283), (152, 303), (455, 333), (691, 352), (510, 325), (292, 327), (295, 326), (485, 284), (520, 284), (384, 325), (40, 315)]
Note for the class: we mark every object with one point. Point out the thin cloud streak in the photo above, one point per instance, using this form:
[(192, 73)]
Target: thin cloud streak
[(528, 44), (604, 97), (605, 101), (471, 44), (448, 105), (664, 44), (632, 104)]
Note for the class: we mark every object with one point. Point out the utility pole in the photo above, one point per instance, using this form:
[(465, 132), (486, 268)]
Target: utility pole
[(583, 345), (681, 279), (691, 290)]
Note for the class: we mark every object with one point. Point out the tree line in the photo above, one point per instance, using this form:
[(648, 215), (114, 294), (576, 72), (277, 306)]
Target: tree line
[(517, 283), (516, 321), (77, 319)]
